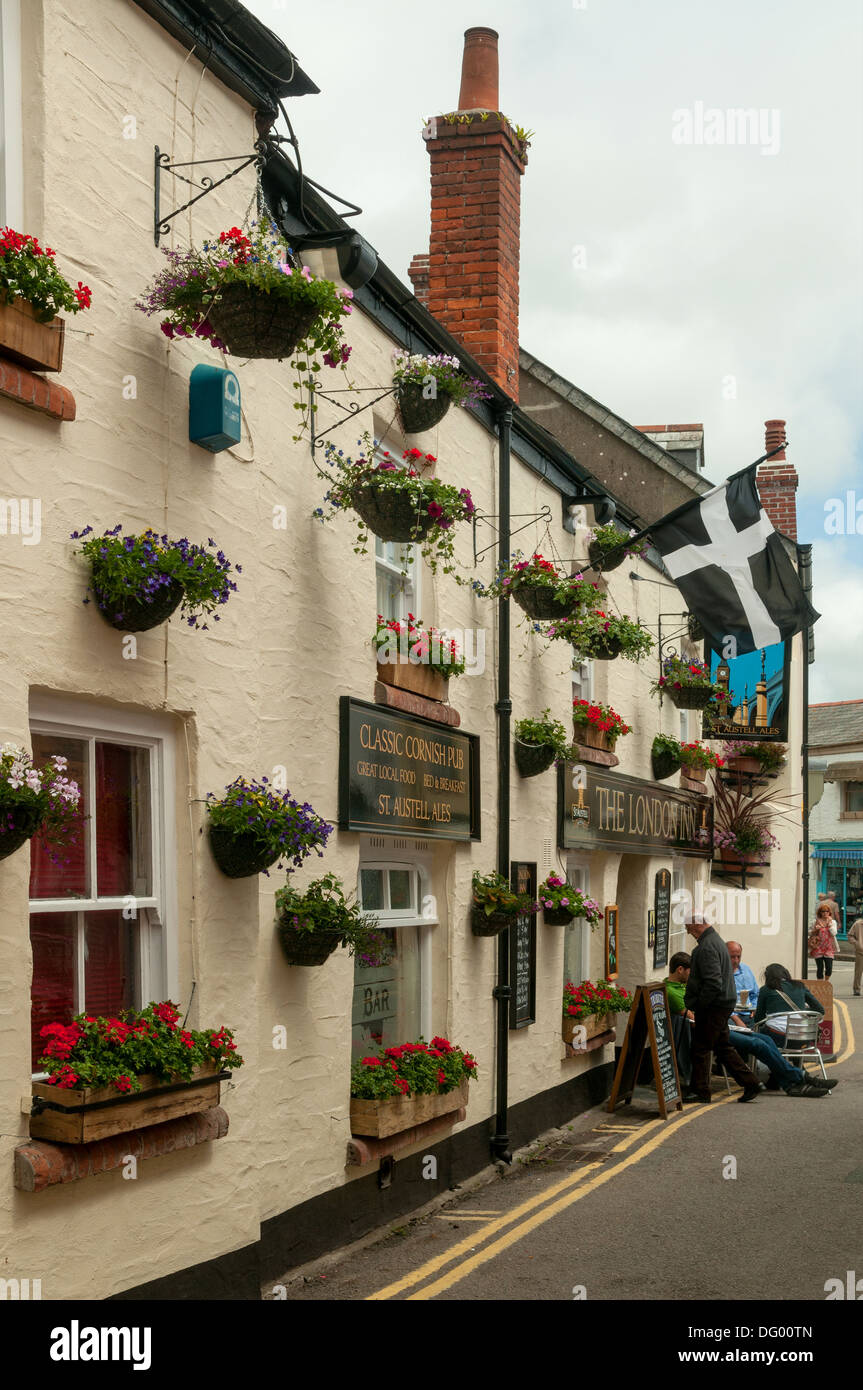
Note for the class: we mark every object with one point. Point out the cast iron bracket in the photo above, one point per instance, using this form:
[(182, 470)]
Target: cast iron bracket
[(162, 161)]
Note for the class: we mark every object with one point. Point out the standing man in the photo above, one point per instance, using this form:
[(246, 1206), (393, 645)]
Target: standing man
[(834, 908), (743, 977), (855, 934), (711, 994)]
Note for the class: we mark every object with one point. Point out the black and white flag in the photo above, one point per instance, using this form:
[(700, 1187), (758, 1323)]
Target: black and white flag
[(732, 568)]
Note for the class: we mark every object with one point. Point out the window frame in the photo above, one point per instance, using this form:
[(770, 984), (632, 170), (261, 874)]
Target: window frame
[(579, 862), (395, 918), (846, 813), (11, 117), (156, 947)]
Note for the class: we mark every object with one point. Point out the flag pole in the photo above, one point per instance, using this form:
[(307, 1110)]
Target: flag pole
[(678, 511)]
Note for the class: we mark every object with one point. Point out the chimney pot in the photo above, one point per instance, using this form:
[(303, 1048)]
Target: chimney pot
[(774, 434), (479, 71)]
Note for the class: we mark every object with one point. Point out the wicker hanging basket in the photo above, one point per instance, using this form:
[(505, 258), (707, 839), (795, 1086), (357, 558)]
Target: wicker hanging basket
[(239, 854), (391, 513), (664, 763), (255, 324), (482, 925), (539, 603), (533, 758), (690, 696), (606, 559), (606, 650), (694, 628), (306, 948), (419, 414), (27, 821), (557, 916), (136, 614)]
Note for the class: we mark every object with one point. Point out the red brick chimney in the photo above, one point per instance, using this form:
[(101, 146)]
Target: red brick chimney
[(777, 482), (470, 279)]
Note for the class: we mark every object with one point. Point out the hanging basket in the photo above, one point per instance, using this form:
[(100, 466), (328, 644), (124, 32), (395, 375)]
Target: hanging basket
[(690, 696), (606, 559), (27, 821), (390, 513), (539, 603), (418, 413), (557, 916), (694, 628), (306, 948), (135, 614), (607, 650), (240, 854), (255, 324), (533, 758), (482, 925), (664, 762)]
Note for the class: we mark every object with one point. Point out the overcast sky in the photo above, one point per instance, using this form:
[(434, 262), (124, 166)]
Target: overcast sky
[(716, 282)]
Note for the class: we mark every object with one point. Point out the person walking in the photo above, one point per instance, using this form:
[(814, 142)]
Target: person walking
[(710, 993), (855, 934), (822, 941)]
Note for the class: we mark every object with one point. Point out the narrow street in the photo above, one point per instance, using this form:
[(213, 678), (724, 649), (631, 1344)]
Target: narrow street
[(754, 1202)]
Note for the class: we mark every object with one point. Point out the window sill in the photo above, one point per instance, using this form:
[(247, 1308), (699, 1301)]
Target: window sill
[(40, 1164), (34, 392), (405, 700), (592, 1045), (363, 1149)]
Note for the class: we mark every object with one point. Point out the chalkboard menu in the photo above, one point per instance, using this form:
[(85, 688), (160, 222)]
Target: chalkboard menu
[(522, 952), (662, 916), (665, 1055), (611, 939)]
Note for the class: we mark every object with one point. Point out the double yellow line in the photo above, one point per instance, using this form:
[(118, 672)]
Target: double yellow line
[(531, 1214)]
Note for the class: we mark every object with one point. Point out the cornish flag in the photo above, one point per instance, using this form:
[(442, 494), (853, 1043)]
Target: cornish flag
[(732, 567)]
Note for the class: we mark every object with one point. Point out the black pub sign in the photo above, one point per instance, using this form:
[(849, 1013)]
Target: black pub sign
[(402, 774), (601, 809)]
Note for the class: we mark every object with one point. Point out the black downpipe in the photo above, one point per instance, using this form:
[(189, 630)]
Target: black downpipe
[(500, 1140), (804, 564)]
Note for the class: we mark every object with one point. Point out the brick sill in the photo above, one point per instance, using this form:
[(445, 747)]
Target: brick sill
[(40, 1164), (406, 700), (592, 1044), (365, 1149), (34, 392)]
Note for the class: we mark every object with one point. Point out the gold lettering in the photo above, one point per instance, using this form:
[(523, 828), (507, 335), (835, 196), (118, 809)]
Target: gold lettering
[(619, 798)]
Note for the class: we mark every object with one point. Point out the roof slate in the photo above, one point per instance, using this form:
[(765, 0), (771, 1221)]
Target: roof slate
[(839, 722)]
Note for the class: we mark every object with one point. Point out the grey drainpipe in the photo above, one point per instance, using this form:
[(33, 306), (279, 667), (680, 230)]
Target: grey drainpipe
[(500, 1140), (804, 564)]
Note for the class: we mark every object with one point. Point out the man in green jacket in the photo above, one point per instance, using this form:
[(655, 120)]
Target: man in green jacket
[(675, 984), (712, 995)]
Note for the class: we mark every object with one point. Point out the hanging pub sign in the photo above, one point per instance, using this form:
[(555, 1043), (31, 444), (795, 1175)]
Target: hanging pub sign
[(754, 705), (601, 809), (661, 917), (522, 952), (399, 774)]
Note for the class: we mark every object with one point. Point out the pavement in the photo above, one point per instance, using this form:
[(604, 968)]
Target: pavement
[(761, 1201)]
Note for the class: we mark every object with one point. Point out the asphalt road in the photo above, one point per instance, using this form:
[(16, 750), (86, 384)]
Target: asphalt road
[(727, 1201)]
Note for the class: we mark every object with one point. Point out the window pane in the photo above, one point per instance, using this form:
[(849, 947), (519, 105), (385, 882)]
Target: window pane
[(66, 878), (122, 820), (401, 896), (52, 938), (372, 890), (576, 940), (108, 963), (854, 797), (386, 1004)]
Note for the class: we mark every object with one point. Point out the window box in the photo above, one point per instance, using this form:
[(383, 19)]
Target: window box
[(79, 1117), (24, 339), (380, 1118), (421, 679), (593, 1025)]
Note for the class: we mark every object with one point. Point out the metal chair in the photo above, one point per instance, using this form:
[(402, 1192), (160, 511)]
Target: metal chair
[(800, 1036)]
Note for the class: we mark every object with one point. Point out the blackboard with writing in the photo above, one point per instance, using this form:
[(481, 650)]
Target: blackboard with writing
[(522, 952), (648, 1027), (611, 939), (662, 916), (665, 1056)]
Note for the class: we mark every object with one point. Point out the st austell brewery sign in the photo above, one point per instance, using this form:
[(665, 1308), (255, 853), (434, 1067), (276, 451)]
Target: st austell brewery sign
[(753, 705)]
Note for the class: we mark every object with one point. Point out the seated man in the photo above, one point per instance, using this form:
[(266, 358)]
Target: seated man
[(792, 1080), (681, 1017), (744, 980)]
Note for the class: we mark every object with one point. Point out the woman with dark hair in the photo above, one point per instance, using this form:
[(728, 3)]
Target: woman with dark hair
[(782, 995)]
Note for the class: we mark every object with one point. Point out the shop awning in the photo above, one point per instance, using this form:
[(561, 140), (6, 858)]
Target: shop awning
[(844, 772), (844, 856)]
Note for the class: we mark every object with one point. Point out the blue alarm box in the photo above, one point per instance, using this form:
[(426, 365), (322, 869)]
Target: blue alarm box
[(214, 408)]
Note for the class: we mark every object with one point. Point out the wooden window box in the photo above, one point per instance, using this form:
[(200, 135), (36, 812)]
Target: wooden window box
[(24, 339), (380, 1118), (79, 1117)]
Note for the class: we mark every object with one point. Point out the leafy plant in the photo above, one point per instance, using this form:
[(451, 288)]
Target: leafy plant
[(610, 537), (277, 822), (680, 674), (430, 500), (43, 798), (417, 1068), (771, 756), (96, 1051), (698, 755), (592, 630), (493, 893), (556, 893), (537, 573), (544, 731), (601, 717), (139, 568), (741, 822), (580, 1001), (444, 371), (421, 646), (322, 907), (28, 272)]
